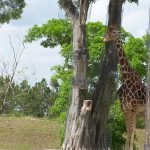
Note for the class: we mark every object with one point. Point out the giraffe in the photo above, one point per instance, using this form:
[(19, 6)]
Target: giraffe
[(132, 93)]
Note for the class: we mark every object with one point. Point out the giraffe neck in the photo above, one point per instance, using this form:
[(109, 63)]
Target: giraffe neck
[(127, 71)]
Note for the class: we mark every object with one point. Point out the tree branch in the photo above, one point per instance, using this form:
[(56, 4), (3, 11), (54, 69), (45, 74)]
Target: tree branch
[(84, 5), (9, 79), (69, 7)]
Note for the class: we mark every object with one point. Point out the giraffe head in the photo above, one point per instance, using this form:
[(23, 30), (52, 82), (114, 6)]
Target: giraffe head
[(111, 34)]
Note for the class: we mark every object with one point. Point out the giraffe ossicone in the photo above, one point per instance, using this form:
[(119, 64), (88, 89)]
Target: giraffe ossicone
[(132, 92)]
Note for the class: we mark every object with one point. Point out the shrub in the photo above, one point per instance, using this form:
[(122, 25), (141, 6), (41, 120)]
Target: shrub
[(117, 126), (62, 119)]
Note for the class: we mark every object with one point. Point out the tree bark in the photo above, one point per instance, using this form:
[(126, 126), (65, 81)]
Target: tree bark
[(104, 92), (79, 85), (89, 131), (147, 108), (72, 138)]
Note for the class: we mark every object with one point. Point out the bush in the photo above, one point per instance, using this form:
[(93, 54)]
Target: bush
[(117, 126), (140, 123), (62, 120)]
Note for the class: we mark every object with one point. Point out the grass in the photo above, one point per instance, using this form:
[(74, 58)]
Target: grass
[(139, 139), (139, 142), (27, 133)]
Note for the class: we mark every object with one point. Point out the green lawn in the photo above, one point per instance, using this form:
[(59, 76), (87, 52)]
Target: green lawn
[(27, 133), (140, 139)]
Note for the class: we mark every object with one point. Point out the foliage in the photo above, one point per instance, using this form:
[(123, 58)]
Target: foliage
[(117, 126), (26, 100), (39, 99), (63, 95), (62, 120), (136, 51), (140, 124), (57, 32), (10, 9)]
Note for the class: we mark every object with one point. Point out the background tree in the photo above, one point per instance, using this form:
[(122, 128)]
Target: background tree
[(8, 73), (21, 103), (23, 99), (10, 9), (39, 99)]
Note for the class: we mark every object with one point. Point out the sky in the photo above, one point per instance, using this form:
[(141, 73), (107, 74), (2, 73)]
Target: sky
[(36, 61)]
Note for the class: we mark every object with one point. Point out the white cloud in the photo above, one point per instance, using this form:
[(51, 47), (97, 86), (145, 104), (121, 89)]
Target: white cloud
[(135, 18), (37, 12), (41, 60), (99, 11), (34, 56)]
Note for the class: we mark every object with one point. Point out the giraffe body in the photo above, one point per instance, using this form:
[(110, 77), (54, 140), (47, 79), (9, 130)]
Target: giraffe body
[(132, 93)]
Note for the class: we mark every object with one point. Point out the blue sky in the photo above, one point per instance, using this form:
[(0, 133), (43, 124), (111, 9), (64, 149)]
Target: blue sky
[(38, 60)]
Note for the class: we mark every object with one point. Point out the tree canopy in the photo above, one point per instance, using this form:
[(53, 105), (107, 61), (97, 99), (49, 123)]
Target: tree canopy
[(10, 9), (23, 99), (58, 32)]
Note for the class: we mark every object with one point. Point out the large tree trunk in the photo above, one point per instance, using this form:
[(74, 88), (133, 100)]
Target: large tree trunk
[(72, 138), (79, 84), (86, 126), (104, 92)]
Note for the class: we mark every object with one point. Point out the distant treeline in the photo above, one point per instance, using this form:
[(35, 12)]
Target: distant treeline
[(23, 99)]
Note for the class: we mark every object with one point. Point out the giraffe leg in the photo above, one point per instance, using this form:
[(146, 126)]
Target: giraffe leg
[(130, 118)]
